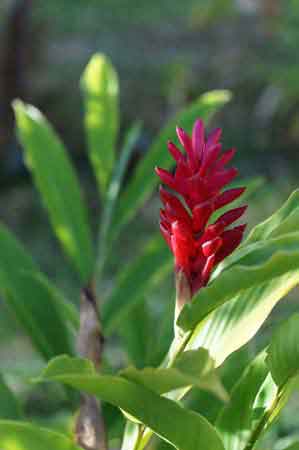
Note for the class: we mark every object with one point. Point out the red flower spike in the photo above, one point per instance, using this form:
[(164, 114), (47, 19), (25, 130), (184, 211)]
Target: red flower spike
[(228, 196), (175, 152), (198, 246)]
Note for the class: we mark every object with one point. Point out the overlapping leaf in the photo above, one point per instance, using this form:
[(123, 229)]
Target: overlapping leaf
[(100, 87), (144, 180), (25, 436), (232, 325), (283, 352), (263, 261), (38, 306), (186, 430), (283, 221), (113, 193), (10, 407), (237, 419), (192, 368), (56, 180), (135, 281)]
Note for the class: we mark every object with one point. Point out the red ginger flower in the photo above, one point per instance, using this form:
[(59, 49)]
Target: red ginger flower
[(199, 178)]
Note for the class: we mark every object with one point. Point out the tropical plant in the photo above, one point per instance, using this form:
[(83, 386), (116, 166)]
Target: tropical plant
[(224, 290)]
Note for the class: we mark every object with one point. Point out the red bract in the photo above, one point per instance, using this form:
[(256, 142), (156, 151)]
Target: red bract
[(198, 180)]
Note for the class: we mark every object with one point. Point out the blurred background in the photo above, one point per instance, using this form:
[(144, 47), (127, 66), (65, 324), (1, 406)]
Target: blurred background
[(167, 53)]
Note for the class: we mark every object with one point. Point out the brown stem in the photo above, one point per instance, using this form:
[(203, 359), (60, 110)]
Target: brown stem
[(90, 427)]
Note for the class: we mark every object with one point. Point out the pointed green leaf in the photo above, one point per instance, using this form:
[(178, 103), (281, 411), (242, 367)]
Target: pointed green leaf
[(25, 436), (294, 446), (283, 351), (100, 88), (233, 324), (10, 408), (192, 368), (38, 306), (113, 193), (144, 180), (56, 180), (237, 419), (185, 429), (281, 222), (137, 340), (262, 261), (135, 280), (130, 435)]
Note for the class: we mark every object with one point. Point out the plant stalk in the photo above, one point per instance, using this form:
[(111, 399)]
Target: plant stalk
[(90, 431), (183, 296), (259, 429)]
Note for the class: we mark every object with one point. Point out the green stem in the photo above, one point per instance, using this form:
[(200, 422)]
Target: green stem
[(139, 437), (257, 432), (145, 434)]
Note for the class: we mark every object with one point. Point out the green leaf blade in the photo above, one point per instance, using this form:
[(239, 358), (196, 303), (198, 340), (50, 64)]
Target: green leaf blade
[(283, 351), (146, 271), (10, 407), (183, 428), (25, 436), (38, 306), (193, 368), (100, 88), (236, 420), (263, 261), (57, 183)]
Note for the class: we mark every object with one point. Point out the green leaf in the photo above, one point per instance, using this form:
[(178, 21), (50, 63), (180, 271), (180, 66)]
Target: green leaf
[(294, 446), (10, 407), (113, 192), (101, 91), (130, 435), (58, 185), (192, 368), (261, 262), (38, 306), (185, 429), (283, 351), (135, 281), (283, 221), (282, 360), (237, 419), (144, 180), (137, 340), (24, 436), (233, 324)]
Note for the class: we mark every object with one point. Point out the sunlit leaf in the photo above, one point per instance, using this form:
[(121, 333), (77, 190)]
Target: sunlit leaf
[(232, 325), (185, 429), (57, 183), (283, 351), (237, 419), (192, 368), (283, 221), (25, 436), (261, 262), (100, 87)]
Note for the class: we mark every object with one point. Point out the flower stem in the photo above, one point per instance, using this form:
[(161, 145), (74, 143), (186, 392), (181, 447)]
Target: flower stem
[(90, 432), (257, 432)]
